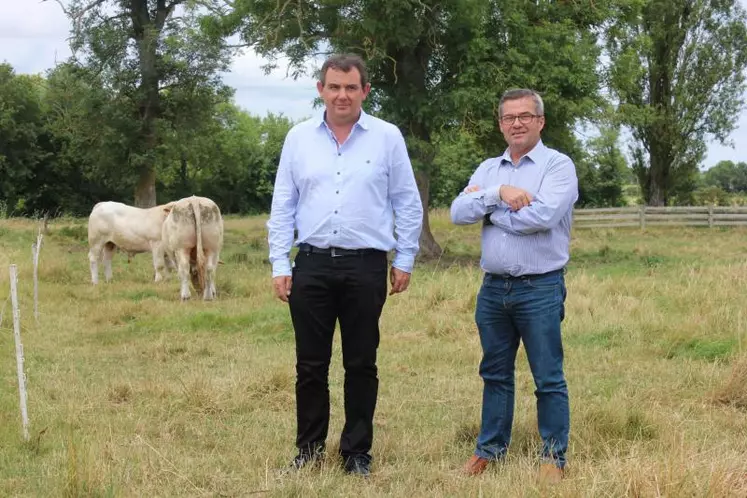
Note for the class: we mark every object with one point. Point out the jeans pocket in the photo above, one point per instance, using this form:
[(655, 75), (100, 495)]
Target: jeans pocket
[(543, 283)]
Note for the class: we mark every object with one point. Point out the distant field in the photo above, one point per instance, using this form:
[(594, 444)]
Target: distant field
[(132, 393)]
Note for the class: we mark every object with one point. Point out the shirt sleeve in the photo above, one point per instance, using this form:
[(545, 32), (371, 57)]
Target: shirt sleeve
[(281, 223), (407, 205), (472, 207), (557, 194)]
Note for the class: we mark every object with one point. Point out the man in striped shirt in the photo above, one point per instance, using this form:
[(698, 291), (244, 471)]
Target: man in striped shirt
[(524, 199)]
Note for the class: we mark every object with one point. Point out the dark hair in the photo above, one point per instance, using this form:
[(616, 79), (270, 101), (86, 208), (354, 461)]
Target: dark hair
[(520, 93), (344, 63)]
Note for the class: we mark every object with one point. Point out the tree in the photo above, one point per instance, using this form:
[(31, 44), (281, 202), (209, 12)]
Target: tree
[(433, 64), (139, 49), (611, 167), (235, 163), (677, 71), (20, 126), (91, 130), (728, 176)]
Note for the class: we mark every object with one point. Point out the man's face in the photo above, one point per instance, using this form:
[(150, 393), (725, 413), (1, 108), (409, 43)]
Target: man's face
[(343, 95), (521, 136)]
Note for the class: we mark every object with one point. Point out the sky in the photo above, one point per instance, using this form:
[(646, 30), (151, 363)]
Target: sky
[(33, 38)]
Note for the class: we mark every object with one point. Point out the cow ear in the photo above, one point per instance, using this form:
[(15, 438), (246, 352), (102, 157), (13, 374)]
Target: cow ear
[(167, 208)]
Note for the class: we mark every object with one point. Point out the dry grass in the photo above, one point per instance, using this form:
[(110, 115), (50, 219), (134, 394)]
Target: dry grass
[(132, 393)]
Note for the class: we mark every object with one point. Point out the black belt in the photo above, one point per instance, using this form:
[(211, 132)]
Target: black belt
[(335, 251), (505, 276)]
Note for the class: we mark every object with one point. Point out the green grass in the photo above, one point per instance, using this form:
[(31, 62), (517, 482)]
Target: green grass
[(133, 393)]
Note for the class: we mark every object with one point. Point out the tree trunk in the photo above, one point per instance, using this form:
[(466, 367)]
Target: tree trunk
[(429, 248), (406, 75), (145, 190), (661, 157), (146, 33)]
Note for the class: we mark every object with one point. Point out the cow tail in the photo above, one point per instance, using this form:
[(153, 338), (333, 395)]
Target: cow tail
[(200, 253)]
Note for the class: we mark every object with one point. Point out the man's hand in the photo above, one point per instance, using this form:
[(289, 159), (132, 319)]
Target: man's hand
[(282, 287), (515, 197), (399, 279), (471, 188)]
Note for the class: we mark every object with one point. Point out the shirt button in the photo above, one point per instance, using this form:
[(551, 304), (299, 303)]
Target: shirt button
[(338, 172), (335, 211), (339, 153), (337, 191), (335, 231)]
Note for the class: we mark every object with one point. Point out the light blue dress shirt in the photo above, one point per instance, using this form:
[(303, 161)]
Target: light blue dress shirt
[(536, 238), (356, 195)]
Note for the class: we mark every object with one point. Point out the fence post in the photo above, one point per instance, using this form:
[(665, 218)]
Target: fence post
[(643, 216), (35, 248), (710, 216), (19, 349)]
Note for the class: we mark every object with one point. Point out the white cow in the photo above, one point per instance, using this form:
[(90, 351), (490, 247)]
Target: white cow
[(193, 237), (133, 230)]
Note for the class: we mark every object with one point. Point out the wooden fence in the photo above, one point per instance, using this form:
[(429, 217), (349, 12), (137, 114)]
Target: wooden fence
[(645, 216)]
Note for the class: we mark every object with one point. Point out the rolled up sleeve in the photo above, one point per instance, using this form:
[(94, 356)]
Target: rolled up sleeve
[(558, 193)]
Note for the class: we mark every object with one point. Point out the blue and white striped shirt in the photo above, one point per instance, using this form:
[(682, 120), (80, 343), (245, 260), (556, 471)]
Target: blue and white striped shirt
[(353, 196), (536, 238)]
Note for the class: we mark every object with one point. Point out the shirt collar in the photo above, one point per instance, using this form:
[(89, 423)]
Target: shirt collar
[(536, 155), (363, 120)]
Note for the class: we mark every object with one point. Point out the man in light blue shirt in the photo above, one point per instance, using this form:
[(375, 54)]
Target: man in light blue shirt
[(524, 199), (345, 183)]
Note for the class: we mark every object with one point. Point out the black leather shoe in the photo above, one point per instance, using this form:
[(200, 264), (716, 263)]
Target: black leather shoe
[(358, 465), (305, 459)]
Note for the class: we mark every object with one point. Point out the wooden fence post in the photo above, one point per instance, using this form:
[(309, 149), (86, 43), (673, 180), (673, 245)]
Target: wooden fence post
[(19, 349), (710, 216), (643, 217)]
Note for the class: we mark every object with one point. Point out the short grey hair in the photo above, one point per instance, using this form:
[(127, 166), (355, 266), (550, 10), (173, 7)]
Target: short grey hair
[(520, 93)]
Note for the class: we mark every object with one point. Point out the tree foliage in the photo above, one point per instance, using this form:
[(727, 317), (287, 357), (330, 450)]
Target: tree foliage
[(140, 107), (439, 66), (144, 53)]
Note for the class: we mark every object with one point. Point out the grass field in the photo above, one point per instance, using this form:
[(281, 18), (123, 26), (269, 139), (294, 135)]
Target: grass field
[(132, 393)]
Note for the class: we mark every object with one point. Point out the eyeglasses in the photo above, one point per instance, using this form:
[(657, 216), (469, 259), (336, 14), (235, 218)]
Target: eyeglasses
[(523, 119)]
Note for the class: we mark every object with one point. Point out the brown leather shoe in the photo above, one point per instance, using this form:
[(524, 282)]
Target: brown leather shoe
[(549, 473), (476, 465)]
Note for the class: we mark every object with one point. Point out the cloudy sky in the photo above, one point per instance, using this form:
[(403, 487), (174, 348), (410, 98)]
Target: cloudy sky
[(33, 38)]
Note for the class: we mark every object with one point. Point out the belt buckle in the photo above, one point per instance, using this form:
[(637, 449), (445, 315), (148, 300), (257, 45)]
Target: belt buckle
[(333, 252)]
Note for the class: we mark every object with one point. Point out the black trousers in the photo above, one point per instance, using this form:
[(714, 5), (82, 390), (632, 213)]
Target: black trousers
[(351, 289)]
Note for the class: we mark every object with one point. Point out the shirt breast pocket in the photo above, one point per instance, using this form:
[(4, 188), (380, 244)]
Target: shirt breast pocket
[(531, 184), (376, 167)]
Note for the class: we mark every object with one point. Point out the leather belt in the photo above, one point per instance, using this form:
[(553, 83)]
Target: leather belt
[(335, 251), (505, 276)]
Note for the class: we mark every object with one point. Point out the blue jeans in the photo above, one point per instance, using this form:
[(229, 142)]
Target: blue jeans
[(530, 310)]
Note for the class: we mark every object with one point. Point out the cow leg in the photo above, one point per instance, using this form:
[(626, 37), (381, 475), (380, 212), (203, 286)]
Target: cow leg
[(169, 261), (211, 264), (182, 264), (94, 254), (108, 254), (158, 262)]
